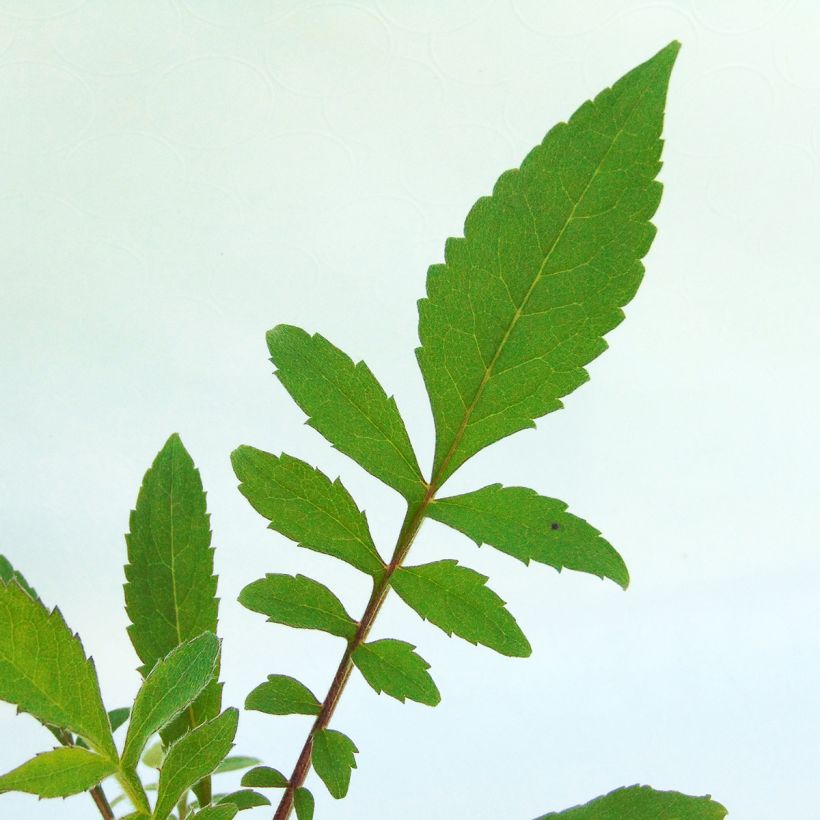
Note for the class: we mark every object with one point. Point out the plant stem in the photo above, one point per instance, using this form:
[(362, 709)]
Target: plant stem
[(101, 801), (407, 534)]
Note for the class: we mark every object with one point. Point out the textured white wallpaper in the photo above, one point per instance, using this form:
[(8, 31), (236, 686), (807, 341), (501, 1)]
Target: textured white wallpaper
[(177, 177)]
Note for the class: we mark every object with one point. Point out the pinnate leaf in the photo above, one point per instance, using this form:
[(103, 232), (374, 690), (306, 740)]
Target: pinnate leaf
[(235, 764), (170, 594), (531, 527), (304, 505), (282, 695), (8, 574), (244, 799), (193, 757), (44, 670), (304, 804), (523, 301), (59, 773), (456, 600), (170, 687), (334, 757), (264, 777), (347, 405), (393, 667), (299, 602), (644, 803)]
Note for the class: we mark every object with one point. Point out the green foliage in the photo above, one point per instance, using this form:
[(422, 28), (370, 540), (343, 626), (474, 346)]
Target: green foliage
[(8, 574), (281, 695), (346, 404), (226, 811), (455, 599), (171, 686), (58, 773), (393, 667), (306, 506), (44, 670), (193, 757), (235, 763), (299, 602), (304, 804), (264, 777), (523, 301), (644, 803), (531, 527), (244, 799), (334, 758), (170, 594)]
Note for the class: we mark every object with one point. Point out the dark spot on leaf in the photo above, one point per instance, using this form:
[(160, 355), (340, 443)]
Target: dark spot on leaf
[(555, 526)]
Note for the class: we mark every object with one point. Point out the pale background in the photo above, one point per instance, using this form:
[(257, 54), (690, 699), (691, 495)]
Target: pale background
[(177, 177)]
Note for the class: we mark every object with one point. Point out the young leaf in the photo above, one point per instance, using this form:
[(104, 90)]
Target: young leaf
[(531, 527), (58, 773), (171, 686), (455, 599), (244, 799), (281, 695), (345, 403), (644, 803), (235, 764), (334, 757), (44, 670), (193, 757), (170, 594), (393, 667), (299, 602), (304, 804), (523, 301), (227, 811), (8, 574), (264, 777), (304, 505)]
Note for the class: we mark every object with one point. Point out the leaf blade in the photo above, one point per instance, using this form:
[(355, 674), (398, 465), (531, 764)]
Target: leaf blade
[(282, 695), (170, 590), (456, 600), (303, 504), (193, 757), (244, 799), (531, 527), (334, 758), (304, 804), (644, 803), (44, 670), (299, 602), (393, 667), (264, 777), (62, 772), (169, 688), (523, 301), (347, 405)]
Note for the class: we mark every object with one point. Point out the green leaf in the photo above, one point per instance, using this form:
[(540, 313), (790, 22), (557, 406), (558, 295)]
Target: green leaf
[(8, 574), (264, 777), (224, 812), (644, 803), (193, 757), (304, 505), (523, 301), (531, 527), (171, 686), (455, 599), (334, 757), (393, 667), (117, 717), (44, 670), (281, 695), (235, 764), (299, 602), (58, 773), (245, 799), (304, 804), (347, 405), (154, 755)]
